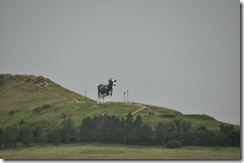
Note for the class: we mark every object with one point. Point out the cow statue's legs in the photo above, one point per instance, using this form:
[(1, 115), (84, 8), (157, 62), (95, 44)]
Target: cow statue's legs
[(101, 96), (110, 95), (98, 99), (110, 98)]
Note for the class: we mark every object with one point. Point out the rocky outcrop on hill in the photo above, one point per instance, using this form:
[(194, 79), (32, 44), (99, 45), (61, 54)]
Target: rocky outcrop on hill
[(37, 80)]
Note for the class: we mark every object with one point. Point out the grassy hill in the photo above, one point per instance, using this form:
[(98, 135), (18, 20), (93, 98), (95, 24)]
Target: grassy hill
[(34, 98)]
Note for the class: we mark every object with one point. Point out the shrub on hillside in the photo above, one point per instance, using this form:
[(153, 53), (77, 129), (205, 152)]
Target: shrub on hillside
[(12, 112), (174, 144), (63, 115), (168, 115), (39, 109)]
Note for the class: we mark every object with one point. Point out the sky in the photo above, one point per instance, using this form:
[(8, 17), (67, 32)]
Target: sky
[(180, 54)]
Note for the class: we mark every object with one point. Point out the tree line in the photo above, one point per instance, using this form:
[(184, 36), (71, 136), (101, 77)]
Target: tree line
[(111, 129)]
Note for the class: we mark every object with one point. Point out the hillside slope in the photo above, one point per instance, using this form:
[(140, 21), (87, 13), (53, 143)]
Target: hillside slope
[(21, 94), (34, 98)]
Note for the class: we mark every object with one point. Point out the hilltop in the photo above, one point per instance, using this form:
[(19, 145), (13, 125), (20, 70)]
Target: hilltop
[(34, 98), (22, 94)]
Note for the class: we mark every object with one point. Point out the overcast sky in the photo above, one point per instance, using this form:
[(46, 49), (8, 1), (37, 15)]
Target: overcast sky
[(181, 54)]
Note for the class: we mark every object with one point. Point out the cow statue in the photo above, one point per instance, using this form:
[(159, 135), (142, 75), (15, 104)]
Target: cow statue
[(106, 90)]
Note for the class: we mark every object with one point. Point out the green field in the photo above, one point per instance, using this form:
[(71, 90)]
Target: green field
[(28, 98), (116, 151), (19, 98)]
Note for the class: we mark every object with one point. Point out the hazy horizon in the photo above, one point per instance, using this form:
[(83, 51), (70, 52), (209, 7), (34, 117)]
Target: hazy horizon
[(180, 54)]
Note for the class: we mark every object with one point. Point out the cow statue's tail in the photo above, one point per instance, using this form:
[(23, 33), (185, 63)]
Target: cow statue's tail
[(98, 93)]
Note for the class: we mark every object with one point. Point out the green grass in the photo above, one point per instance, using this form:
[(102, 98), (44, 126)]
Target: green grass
[(17, 94), (18, 99), (116, 151), (107, 151)]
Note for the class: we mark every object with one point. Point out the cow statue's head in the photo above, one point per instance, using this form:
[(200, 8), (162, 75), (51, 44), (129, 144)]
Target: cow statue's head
[(112, 81)]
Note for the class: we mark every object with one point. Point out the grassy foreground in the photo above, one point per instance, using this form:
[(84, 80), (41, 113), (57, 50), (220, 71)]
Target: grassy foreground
[(115, 151)]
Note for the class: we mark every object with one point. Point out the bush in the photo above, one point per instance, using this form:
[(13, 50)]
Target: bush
[(63, 115), (54, 136), (39, 109), (174, 144), (10, 135), (12, 112), (43, 138), (26, 136), (168, 115)]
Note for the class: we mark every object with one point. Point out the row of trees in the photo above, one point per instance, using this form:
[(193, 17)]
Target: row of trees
[(111, 129)]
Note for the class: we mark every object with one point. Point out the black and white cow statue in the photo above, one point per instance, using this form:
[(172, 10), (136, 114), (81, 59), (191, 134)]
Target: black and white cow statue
[(106, 90)]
